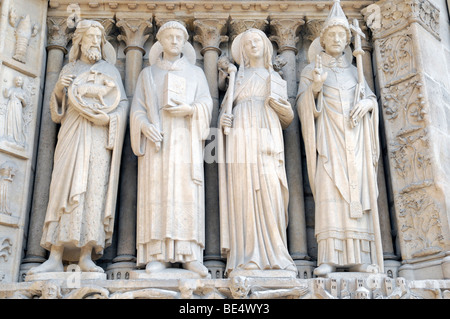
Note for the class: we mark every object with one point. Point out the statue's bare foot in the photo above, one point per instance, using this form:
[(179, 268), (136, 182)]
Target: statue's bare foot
[(51, 265), (155, 266), (87, 265), (197, 267), (370, 268), (324, 269)]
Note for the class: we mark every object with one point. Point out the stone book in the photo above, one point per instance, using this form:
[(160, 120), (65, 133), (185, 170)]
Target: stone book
[(277, 88), (174, 88)]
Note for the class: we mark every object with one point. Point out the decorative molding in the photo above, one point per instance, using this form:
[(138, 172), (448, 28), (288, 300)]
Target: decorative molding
[(5, 248), (241, 288), (210, 33), (313, 28), (285, 33), (240, 25), (58, 34), (387, 17), (135, 30)]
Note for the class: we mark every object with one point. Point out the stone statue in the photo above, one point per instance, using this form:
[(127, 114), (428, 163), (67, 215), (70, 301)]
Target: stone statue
[(253, 186), (17, 100), (169, 122), (340, 130), (80, 214)]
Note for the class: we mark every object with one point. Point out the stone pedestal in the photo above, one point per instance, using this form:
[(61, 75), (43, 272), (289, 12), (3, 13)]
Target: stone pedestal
[(166, 274), (70, 279), (272, 273)]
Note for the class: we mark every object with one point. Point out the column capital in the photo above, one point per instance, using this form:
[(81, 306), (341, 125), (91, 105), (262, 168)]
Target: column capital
[(134, 30), (314, 27), (237, 26), (285, 32), (209, 32), (58, 34), (161, 19), (386, 17)]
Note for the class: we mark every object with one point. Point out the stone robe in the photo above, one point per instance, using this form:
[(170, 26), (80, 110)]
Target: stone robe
[(340, 160), (171, 209), (14, 118), (253, 185), (83, 188)]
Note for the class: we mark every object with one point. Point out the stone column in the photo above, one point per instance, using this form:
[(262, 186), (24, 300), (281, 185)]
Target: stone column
[(58, 37), (285, 35), (410, 55), (209, 32), (311, 31), (134, 32)]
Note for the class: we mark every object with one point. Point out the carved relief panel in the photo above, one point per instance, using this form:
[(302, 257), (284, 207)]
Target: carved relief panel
[(17, 111), (406, 108), (22, 51)]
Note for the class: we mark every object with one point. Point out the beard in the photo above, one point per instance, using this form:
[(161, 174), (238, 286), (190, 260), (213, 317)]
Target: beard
[(93, 54)]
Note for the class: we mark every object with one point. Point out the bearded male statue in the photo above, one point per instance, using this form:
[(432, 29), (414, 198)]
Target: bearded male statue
[(90, 103)]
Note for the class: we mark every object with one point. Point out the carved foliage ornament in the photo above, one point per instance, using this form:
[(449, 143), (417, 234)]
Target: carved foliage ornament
[(5, 249), (397, 58), (420, 224)]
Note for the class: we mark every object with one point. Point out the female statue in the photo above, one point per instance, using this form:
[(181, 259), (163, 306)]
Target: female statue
[(253, 187)]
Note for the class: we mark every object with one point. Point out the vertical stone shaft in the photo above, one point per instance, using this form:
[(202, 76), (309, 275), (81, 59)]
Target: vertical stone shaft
[(209, 35), (284, 34), (134, 32)]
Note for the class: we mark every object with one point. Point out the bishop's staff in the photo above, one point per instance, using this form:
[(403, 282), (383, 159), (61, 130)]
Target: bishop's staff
[(358, 53), (359, 95)]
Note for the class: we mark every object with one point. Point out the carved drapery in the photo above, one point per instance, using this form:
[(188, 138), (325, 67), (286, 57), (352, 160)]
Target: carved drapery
[(213, 26)]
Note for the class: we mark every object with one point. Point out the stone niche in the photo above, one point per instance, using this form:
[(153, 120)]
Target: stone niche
[(407, 64)]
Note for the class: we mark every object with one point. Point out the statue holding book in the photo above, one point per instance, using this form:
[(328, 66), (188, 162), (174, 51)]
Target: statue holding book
[(253, 186), (169, 122)]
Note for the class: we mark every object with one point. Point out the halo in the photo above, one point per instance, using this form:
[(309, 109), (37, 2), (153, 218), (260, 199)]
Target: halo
[(157, 50), (235, 46), (315, 48)]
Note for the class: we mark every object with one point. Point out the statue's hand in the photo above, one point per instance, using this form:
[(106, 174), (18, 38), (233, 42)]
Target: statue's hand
[(181, 109), (361, 108), (64, 81), (279, 104), (152, 133), (231, 68), (319, 76), (226, 120)]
